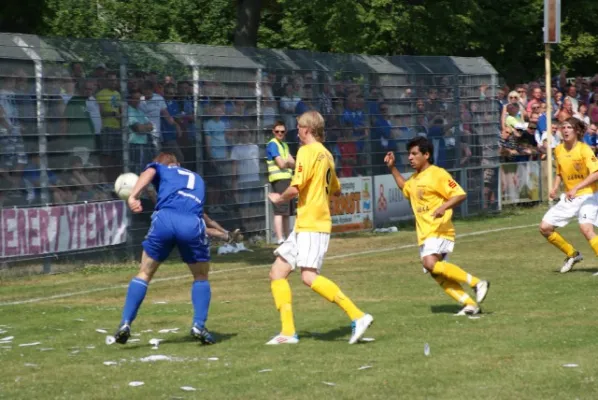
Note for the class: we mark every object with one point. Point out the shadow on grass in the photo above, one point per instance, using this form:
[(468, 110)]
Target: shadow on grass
[(185, 338), (330, 336), (445, 309), (583, 270)]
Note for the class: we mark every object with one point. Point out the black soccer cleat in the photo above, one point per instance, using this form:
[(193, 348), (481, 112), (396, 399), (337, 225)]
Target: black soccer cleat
[(123, 333), (203, 335)]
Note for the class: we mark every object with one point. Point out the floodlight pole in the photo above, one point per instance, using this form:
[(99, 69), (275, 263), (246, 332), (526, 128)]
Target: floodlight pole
[(548, 117)]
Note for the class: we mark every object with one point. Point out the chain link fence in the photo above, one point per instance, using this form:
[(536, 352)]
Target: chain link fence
[(74, 114)]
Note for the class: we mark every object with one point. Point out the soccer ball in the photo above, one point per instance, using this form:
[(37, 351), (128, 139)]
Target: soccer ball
[(124, 185)]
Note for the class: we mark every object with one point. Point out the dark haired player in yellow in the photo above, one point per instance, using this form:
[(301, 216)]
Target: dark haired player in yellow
[(314, 182), (577, 169), (433, 194)]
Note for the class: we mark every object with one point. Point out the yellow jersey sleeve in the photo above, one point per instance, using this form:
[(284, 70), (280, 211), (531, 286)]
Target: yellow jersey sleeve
[(334, 184), (447, 187), (590, 159), (303, 168)]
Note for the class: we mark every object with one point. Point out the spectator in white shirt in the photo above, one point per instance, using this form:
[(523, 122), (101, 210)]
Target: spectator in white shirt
[(246, 176), (154, 107)]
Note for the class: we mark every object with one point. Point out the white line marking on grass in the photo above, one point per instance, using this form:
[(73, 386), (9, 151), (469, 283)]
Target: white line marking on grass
[(186, 276)]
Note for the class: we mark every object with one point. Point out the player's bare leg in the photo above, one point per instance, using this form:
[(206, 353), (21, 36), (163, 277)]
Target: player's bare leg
[(572, 256), (331, 292), (201, 294), (279, 228), (283, 299), (135, 295)]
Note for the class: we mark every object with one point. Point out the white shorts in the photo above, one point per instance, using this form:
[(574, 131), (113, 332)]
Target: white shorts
[(585, 208), (304, 249), (436, 245)]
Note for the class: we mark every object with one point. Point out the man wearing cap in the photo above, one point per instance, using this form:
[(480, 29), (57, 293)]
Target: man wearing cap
[(280, 164)]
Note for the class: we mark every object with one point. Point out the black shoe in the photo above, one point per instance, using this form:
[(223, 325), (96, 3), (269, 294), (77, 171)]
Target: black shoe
[(202, 334), (123, 333)]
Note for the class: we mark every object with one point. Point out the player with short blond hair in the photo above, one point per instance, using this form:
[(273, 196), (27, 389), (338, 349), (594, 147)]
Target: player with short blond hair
[(577, 169), (314, 182), (433, 194)]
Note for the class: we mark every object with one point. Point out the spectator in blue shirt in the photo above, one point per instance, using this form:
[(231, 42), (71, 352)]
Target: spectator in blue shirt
[(590, 137), (171, 131), (382, 138)]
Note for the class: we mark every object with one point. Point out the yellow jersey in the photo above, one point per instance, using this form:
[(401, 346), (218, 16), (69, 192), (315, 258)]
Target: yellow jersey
[(427, 191), (316, 180), (575, 165), (109, 101)]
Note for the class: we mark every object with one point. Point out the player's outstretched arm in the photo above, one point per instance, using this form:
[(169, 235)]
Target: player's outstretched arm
[(390, 160), (144, 180)]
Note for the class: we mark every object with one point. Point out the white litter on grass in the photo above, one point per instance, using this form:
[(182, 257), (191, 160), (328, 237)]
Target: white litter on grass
[(329, 383), (367, 339), (188, 388), (79, 320), (155, 342), (212, 358), (90, 347), (475, 317), (110, 340), (110, 363), (101, 331), (169, 330), (364, 367), (136, 334), (147, 330), (134, 340), (265, 370), (2, 331), (157, 357), (570, 365), (31, 365), (136, 383), (5, 347), (7, 339), (29, 344), (46, 349), (74, 351), (4, 326), (426, 349), (160, 302)]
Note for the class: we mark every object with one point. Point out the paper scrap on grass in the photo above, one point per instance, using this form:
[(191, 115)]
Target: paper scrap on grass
[(147, 330), (29, 344), (90, 347), (46, 349), (570, 365), (101, 331), (156, 357), (31, 365), (475, 317), (79, 320), (188, 388), (160, 302), (329, 383), (367, 339), (364, 367), (169, 330), (2, 331), (134, 340), (136, 383), (7, 339), (426, 349), (6, 347), (110, 340), (110, 363), (212, 358), (265, 370), (136, 334)]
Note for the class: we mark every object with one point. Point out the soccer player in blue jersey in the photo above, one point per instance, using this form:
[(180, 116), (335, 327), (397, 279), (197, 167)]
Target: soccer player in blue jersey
[(177, 220)]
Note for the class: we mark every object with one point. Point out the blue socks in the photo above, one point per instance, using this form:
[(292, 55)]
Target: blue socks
[(135, 296), (201, 293)]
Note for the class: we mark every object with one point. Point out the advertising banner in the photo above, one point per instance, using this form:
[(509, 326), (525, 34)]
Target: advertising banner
[(352, 210), (55, 229), (389, 203)]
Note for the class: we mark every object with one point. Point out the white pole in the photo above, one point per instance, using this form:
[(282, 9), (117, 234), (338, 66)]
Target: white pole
[(548, 116), (267, 213)]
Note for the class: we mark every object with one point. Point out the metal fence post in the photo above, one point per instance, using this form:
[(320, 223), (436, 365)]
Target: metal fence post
[(124, 116), (197, 120), (267, 213)]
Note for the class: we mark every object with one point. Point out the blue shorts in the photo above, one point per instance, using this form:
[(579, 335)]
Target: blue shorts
[(186, 231)]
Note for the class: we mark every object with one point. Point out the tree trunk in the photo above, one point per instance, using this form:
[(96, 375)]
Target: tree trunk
[(248, 22)]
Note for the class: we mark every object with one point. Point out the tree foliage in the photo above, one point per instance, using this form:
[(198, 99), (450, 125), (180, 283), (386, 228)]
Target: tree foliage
[(507, 33)]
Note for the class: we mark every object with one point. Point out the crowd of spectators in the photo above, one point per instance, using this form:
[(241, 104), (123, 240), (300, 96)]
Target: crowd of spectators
[(91, 113), (524, 116)]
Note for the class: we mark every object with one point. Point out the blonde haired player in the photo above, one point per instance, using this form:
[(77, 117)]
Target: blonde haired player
[(314, 182), (577, 169), (433, 194)]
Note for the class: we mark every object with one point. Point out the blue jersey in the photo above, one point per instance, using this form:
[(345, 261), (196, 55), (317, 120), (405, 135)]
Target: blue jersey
[(179, 189)]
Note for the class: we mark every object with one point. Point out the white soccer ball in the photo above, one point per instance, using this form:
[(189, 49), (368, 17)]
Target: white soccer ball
[(124, 185)]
